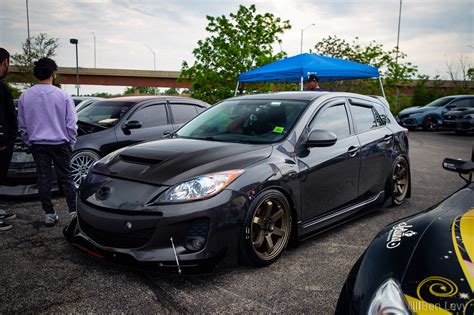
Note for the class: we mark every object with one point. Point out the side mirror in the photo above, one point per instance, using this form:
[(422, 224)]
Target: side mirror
[(132, 124), (450, 107), (321, 138), (458, 166)]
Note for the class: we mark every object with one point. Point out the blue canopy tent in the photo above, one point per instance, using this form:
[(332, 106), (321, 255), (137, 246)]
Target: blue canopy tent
[(296, 68)]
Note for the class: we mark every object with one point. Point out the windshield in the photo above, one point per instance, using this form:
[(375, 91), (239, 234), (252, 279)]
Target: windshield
[(104, 113), (245, 121), (440, 102)]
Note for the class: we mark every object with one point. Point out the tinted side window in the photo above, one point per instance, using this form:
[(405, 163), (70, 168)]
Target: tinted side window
[(151, 116), (460, 103), (183, 113), (380, 114), (334, 119), (364, 118)]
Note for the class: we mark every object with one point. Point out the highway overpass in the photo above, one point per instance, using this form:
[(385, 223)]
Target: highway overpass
[(115, 77)]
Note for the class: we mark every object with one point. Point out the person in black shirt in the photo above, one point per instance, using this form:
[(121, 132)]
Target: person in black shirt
[(313, 83), (8, 131)]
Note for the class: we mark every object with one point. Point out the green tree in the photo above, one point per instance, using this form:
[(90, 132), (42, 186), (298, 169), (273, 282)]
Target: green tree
[(142, 90), (171, 91), (374, 54), (238, 43), (36, 47), (394, 71)]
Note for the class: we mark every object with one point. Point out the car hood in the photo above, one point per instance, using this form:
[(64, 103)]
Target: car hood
[(441, 269), (170, 161), (416, 109), (84, 128)]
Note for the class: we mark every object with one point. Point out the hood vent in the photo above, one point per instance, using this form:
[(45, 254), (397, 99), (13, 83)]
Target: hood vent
[(139, 160)]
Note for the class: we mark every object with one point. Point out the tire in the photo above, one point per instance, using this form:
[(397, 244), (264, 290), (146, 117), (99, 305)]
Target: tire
[(430, 123), (266, 230), (81, 161), (399, 182)]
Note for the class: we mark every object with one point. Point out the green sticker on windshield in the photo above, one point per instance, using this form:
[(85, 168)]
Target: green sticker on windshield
[(278, 129)]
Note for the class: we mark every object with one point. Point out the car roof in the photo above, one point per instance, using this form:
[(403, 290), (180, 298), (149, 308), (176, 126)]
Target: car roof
[(309, 96), (142, 98), (293, 95)]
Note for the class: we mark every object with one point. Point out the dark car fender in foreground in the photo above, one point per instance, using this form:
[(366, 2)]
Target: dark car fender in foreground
[(429, 255)]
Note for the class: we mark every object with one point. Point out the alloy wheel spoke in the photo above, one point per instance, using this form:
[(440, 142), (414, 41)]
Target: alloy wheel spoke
[(278, 232), (258, 221), (269, 243), (278, 215), (268, 208), (260, 238)]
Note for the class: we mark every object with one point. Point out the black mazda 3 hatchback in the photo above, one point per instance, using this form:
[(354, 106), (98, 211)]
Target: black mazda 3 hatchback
[(242, 180)]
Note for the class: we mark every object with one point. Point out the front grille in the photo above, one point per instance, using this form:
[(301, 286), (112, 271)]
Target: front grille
[(133, 239)]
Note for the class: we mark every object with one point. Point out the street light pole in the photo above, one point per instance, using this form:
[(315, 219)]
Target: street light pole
[(28, 26), (398, 49), (95, 60), (154, 57), (75, 42), (302, 30), (27, 20)]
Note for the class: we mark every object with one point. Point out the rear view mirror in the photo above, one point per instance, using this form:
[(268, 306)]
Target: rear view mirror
[(321, 138), (458, 166)]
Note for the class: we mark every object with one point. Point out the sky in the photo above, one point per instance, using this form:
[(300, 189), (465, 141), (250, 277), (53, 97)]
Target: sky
[(432, 32)]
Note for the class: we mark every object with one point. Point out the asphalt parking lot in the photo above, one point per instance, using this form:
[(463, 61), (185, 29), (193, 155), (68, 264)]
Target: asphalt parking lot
[(41, 273)]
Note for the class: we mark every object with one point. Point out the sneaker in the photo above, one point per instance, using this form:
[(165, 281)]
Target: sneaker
[(4, 226), (51, 219), (4, 215)]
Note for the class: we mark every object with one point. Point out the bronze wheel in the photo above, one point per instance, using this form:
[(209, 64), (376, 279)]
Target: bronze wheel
[(268, 228), (400, 181)]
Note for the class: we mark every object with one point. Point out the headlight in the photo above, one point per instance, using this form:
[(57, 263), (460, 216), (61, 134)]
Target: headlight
[(469, 116), (200, 187), (389, 299)]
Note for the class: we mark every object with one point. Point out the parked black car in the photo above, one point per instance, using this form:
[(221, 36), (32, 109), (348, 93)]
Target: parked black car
[(242, 180), (103, 127), (422, 264), (460, 120)]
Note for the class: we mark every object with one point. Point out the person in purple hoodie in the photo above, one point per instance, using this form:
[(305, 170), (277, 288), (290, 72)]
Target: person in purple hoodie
[(47, 121)]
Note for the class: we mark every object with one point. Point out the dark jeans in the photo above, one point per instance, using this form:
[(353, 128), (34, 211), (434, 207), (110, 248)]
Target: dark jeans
[(60, 155), (5, 159)]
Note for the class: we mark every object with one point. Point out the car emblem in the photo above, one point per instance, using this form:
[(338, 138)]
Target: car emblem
[(128, 225), (103, 193)]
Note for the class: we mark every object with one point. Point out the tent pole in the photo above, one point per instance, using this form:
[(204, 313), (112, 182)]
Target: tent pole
[(301, 84), (236, 88), (381, 86)]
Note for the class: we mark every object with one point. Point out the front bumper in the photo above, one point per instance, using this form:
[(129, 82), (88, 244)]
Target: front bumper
[(141, 238), (408, 122)]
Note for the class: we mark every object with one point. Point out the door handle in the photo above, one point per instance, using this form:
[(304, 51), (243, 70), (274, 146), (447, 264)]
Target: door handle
[(353, 151)]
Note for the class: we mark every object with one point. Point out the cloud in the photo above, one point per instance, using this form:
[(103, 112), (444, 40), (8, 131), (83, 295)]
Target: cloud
[(431, 30)]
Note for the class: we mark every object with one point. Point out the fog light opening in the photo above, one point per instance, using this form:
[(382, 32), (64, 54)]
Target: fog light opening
[(195, 243)]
